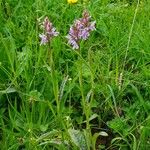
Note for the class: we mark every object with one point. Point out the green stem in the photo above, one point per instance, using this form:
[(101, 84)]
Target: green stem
[(84, 103), (54, 77)]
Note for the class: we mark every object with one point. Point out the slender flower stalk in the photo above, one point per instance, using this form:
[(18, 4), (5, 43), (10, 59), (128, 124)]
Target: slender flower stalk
[(48, 32), (80, 30)]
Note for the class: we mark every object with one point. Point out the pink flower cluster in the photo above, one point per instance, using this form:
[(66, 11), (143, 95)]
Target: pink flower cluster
[(80, 30), (49, 32)]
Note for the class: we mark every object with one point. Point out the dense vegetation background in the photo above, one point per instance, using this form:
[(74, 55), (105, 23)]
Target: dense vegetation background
[(54, 97)]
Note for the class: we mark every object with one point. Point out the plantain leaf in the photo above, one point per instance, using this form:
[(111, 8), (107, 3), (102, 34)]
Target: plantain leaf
[(8, 90), (78, 139)]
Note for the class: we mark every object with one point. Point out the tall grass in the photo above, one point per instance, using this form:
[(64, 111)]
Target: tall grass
[(54, 97)]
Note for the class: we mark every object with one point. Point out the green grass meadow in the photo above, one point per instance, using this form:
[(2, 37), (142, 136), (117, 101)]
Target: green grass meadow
[(55, 98)]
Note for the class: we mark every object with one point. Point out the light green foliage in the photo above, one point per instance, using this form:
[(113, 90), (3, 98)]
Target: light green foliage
[(53, 97)]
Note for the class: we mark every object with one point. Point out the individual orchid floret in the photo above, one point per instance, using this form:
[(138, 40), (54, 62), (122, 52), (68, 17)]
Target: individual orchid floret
[(80, 30), (43, 38), (48, 32)]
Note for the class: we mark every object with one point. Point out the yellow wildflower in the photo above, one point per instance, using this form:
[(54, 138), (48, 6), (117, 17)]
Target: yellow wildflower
[(72, 1)]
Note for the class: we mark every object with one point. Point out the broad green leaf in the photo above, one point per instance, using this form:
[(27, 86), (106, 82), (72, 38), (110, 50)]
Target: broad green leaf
[(78, 139), (8, 90)]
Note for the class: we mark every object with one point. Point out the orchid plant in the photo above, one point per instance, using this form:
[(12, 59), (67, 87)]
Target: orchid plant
[(48, 31), (80, 30)]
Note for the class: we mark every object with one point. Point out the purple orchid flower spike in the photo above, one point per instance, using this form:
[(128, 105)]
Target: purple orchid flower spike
[(80, 30), (48, 32)]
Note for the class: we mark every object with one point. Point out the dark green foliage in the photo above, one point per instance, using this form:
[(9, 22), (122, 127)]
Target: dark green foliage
[(53, 97)]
